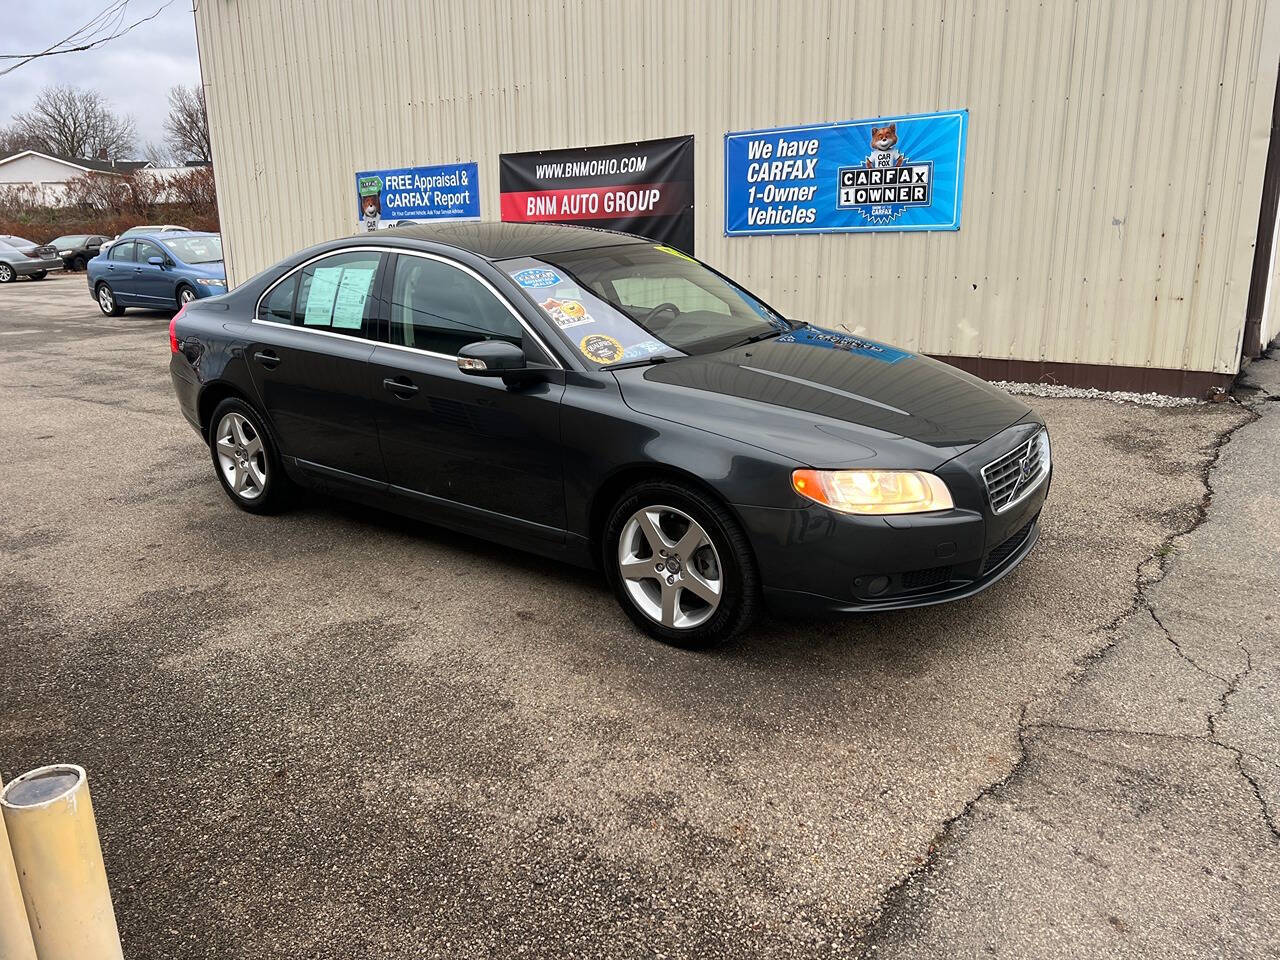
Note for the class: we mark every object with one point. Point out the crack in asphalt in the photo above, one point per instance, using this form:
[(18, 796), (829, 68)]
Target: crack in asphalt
[(895, 896)]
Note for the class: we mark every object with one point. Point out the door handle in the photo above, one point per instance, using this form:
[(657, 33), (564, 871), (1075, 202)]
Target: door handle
[(267, 358), (400, 386)]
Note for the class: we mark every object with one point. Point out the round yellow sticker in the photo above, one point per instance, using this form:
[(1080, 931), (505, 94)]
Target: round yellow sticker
[(601, 348)]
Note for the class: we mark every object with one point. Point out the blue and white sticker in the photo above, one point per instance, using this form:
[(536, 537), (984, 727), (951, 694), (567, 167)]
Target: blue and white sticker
[(536, 277), (645, 348), (834, 340)]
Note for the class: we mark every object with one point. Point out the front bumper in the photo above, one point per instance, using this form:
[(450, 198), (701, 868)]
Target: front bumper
[(816, 560), (204, 290)]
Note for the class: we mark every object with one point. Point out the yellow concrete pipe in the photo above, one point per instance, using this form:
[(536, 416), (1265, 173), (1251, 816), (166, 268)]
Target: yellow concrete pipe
[(54, 840), (15, 932)]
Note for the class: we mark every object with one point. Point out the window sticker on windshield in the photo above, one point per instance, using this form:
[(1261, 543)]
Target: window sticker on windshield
[(536, 277), (566, 313), (833, 340), (601, 348), (674, 252), (645, 348)]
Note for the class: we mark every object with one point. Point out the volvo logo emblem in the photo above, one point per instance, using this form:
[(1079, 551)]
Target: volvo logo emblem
[(1025, 468)]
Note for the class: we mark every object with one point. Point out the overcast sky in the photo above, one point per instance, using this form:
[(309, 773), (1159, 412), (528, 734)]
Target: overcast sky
[(133, 72)]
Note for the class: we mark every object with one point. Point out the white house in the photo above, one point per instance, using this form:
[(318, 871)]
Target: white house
[(49, 173)]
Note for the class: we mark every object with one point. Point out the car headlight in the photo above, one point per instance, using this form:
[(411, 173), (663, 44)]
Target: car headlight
[(64, 253), (213, 282), (874, 491)]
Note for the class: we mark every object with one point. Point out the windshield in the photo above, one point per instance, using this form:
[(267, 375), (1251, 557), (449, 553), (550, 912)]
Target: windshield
[(196, 249), (634, 302), (70, 241)]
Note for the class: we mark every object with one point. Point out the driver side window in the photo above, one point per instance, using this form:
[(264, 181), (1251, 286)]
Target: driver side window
[(146, 250), (440, 308), (121, 251)]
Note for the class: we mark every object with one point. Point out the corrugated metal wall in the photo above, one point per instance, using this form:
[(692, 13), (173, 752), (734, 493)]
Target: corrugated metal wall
[(1115, 159)]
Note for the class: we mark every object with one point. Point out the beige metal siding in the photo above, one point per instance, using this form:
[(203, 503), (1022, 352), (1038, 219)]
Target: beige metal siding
[(1113, 176)]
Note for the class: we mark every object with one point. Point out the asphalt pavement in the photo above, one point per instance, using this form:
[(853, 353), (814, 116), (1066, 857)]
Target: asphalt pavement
[(336, 733)]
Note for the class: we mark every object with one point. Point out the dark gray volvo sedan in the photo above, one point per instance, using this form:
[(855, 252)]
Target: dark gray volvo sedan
[(603, 399)]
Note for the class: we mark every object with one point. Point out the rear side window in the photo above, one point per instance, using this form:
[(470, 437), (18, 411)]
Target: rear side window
[(121, 251), (334, 294), (441, 309)]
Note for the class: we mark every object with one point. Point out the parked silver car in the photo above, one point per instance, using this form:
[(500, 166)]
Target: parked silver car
[(139, 231), (22, 258)]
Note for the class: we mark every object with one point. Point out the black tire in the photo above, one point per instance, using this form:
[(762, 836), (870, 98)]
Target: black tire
[(740, 580), (39, 274), (107, 301), (277, 491), (79, 263), (190, 293), (7, 273)]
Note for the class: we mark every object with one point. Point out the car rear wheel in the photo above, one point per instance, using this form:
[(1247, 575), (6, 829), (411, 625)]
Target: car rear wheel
[(7, 274), (185, 296), (680, 565), (39, 274), (245, 458), (107, 301)]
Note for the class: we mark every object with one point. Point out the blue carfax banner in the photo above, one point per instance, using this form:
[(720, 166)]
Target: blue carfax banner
[(892, 173), (389, 198)]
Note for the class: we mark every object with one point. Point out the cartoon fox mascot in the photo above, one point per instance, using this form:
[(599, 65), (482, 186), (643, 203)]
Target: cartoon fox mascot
[(884, 147), (371, 207)]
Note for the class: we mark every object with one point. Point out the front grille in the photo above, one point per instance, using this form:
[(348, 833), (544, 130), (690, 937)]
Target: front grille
[(1010, 477), (923, 579), (1009, 547)]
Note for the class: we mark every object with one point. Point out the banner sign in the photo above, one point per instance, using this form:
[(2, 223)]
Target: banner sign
[(894, 173), (644, 188), (389, 198)]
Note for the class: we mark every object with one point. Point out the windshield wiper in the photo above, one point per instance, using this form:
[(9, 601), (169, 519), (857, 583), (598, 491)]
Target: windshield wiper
[(756, 338), (638, 363)]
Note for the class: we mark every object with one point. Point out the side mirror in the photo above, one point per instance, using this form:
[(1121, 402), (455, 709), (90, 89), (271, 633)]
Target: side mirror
[(156, 261), (491, 358)]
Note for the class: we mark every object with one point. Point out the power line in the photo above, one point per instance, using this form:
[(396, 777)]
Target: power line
[(88, 36)]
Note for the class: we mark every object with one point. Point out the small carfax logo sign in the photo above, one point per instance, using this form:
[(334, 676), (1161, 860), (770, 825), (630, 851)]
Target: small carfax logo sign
[(902, 186)]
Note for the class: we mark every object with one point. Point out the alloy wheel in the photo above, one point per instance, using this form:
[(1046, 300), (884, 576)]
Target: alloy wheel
[(186, 295), (105, 300), (241, 456), (6, 273), (670, 567)]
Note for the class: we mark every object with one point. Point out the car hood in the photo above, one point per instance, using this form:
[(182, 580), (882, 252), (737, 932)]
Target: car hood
[(214, 269), (828, 399)]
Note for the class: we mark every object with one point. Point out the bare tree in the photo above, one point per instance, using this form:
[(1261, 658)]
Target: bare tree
[(75, 123), (159, 154), (13, 141), (187, 127)]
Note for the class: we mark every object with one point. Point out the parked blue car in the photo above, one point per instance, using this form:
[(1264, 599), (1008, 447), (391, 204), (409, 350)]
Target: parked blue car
[(160, 272)]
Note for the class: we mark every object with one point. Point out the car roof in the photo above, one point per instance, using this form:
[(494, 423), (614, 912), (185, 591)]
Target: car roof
[(169, 237), (502, 241)]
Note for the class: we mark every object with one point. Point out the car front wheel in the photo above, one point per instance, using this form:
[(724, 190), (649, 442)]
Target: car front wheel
[(185, 296), (680, 565), (245, 458)]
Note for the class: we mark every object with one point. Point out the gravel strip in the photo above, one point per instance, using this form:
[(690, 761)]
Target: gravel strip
[(1092, 393)]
